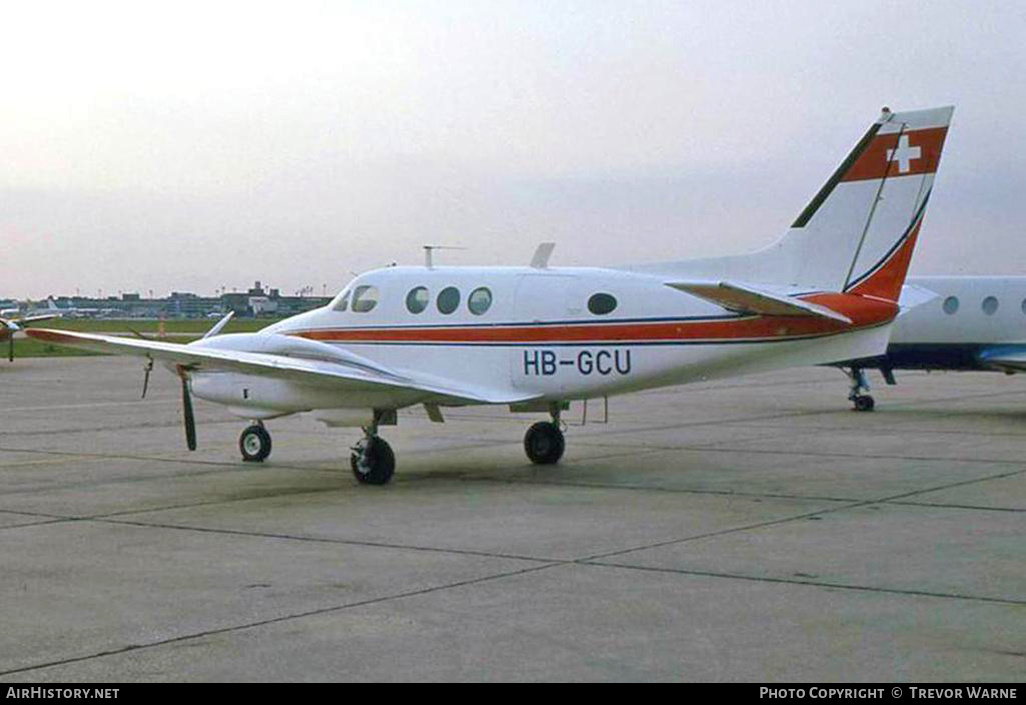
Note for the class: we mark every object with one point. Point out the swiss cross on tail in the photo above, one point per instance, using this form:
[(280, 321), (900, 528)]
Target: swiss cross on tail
[(907, 153), (904, 154)]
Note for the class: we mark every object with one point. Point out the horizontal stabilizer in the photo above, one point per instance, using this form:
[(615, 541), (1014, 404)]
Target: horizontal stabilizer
[(745, 299)]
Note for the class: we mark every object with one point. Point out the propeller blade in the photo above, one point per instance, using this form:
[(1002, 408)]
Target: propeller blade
[(190, 420), (146, 377), (11, 327)]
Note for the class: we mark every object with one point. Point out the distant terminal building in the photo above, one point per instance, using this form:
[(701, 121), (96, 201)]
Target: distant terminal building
[(255, 302)]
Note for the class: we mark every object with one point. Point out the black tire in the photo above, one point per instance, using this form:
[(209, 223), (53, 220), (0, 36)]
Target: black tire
[(380, 463), (255, 444), (864, 403), (544, 443)]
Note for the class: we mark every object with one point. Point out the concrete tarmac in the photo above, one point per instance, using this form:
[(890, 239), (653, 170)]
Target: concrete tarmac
[(748, 530)]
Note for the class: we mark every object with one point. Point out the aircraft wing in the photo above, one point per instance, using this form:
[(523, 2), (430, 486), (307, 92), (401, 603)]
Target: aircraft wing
[(1010, 358), (746, 299), (345, 372)]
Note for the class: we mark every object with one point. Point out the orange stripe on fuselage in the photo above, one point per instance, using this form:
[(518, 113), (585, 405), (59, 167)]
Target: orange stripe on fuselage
[(873, 162), (862, 311)]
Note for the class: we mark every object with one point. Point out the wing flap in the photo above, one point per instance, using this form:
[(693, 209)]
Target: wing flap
[(742, 298), (340, 375)]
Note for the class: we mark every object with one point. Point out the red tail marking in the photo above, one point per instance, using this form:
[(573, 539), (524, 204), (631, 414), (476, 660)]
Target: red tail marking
[(886, 282), (921, 157)]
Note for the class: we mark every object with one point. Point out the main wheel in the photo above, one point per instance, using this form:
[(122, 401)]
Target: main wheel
[(374, 463), (544, 443), (255, 444), (864, 403)]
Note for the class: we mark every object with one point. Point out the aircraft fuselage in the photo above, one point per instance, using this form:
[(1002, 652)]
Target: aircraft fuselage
[(549, 334)]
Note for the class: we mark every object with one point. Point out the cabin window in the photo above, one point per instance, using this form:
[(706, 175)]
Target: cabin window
[(365, 298), (480, 300), (417, 299), (990, 305), (601, 304), (1024, 305), (343, 302), (951, 305), (448, 299)]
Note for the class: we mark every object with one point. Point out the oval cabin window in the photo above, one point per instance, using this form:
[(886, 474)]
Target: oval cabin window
[(448, 299), (990, 305), (950, 305), (480, 300), (417, 299), (601, 304)]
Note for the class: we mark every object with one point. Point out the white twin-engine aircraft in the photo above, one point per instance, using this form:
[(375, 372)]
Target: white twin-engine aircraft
[(535, 338)]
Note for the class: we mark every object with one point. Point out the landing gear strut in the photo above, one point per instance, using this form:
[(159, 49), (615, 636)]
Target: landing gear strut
[(373, 461), (255, 443), (859, 383), (544, 442)]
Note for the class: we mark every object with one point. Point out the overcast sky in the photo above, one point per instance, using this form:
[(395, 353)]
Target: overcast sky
[(189, 146)]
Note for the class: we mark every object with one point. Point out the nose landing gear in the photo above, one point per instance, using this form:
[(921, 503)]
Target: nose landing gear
[(255, 443), (860, 401)]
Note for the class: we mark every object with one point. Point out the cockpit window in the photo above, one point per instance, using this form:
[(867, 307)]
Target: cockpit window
[(480, 300), (448, 299), (365, 298), (601, 304), (342, 302), (417, 299)]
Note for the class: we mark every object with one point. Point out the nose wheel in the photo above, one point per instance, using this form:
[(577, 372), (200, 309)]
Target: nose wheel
[(863, 402), (255, 443), (544, 443), (859, 384), (373, 461)]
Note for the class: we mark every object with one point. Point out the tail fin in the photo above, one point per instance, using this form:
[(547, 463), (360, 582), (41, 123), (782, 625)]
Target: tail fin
[(858, 232)]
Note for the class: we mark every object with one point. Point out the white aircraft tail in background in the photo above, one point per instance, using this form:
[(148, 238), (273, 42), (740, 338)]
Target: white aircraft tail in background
[(538, 337)]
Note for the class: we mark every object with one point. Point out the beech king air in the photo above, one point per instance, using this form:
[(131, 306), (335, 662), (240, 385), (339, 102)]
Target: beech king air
[(967, 324), (536, 337)]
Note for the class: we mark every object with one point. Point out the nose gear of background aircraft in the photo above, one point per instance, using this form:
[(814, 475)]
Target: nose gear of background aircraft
[(860, 401)]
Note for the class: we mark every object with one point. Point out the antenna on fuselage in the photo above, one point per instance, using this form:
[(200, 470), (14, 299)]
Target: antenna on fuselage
[(429, 250)]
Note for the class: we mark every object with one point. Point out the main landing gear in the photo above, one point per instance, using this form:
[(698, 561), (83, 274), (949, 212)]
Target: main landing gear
[(373, 461), (859, 383), (255, 443), (544, 442)]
